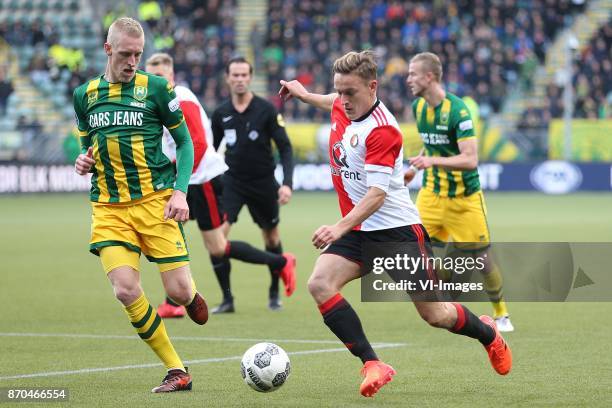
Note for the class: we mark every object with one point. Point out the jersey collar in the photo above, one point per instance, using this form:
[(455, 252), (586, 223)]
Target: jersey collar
[(368, 113)]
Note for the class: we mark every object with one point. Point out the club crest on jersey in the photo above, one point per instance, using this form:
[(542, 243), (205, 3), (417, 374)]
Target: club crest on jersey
[(354, 140), (339, 155), (444, 118), (253, 135), (140, 92)]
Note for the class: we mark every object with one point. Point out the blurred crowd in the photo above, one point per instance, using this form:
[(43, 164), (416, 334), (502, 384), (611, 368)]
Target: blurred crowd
[(486, 46), (592, 80), (201, 38)]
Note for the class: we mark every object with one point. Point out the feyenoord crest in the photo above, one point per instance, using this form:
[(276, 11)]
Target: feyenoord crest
[(140, 92), (444, 118), (92, 97), (354, 140)]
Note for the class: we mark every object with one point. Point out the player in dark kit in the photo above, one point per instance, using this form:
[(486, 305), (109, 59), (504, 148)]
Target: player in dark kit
[(205, 188), (247, 124), (365, 149)]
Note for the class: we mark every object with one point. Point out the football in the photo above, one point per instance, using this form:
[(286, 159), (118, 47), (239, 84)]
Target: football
[(265, 367)]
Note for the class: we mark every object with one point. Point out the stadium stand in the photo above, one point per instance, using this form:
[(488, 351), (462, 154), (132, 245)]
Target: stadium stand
[(592, 80), (201, 38), (504, 54), (486, 46)]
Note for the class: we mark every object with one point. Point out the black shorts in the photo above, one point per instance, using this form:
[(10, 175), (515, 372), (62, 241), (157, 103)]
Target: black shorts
[(205, 204), (353, 246), (260, 196)]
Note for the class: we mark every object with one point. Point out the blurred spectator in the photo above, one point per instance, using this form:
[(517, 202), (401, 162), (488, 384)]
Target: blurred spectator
[(592, 80), (201, 38), (6, 89), (149, 12)]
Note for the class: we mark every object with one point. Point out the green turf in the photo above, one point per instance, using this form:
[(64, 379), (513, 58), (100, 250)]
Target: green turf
[(51, 284)]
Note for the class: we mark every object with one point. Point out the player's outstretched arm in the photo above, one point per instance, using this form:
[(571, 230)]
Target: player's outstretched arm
[(294, 89)]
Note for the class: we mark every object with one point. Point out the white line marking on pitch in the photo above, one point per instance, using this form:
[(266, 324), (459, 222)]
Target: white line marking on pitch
[(186, 338), (190, 362)]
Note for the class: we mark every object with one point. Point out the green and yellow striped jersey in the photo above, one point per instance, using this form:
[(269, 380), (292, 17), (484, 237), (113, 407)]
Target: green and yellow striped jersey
[(440, 128), (123, 122)]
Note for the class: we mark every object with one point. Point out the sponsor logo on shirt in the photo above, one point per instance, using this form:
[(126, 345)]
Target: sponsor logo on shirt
[(434, 138), (466, 125), (339, 155), (339, 165), (230, 136)]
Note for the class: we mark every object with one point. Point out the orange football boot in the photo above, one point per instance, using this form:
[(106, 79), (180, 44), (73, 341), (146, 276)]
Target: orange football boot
[(499, 352), (287, 274), (376, 375)]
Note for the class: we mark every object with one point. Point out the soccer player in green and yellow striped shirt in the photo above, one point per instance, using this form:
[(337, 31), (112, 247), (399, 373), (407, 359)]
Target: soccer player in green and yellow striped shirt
[(138, 198), (450, 201)]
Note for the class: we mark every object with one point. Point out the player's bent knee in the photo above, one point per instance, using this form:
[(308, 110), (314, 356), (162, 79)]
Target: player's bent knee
[(180, 291), (127, 293), (217, 251), (320, 288)]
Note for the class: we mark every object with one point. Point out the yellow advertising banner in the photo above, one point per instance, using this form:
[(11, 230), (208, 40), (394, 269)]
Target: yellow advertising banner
[(591, 140)]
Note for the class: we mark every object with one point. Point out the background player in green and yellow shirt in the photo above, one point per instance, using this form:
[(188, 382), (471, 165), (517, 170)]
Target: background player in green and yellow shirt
[(450, 201), (138, 199)]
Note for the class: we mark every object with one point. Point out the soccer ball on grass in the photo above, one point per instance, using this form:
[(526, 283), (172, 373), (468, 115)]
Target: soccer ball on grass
[(265, 367)]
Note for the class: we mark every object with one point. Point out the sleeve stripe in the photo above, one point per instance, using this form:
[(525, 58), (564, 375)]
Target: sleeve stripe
[(177, 125), (461, 139), (378, 168), (82, 132)]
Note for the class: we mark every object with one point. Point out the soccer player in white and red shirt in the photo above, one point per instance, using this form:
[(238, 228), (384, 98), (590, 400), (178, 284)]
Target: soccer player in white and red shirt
[(365, 150), (204, 193)]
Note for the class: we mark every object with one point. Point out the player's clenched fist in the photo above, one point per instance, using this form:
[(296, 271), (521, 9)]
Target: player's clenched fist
[(84, 162), (177, 208), (325, 235)]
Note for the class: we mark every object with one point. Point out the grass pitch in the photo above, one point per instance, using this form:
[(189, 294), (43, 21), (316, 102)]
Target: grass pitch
[(61, 326)]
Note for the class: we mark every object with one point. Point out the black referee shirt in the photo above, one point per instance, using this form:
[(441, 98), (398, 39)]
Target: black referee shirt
[(247, 138)]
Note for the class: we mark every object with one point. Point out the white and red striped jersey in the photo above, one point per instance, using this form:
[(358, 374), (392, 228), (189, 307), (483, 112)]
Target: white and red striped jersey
[(207, 163), (372, 143)]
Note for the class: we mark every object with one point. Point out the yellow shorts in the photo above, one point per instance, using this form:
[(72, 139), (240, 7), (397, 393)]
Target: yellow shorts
[(140, 227), (460, 219)]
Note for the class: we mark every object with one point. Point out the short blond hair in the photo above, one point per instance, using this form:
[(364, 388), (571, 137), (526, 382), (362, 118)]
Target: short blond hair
[(430, 62), (160, 58), (125, 25), (363, 64)]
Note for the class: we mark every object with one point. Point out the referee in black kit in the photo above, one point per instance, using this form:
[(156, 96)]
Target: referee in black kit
[(247, 124)]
